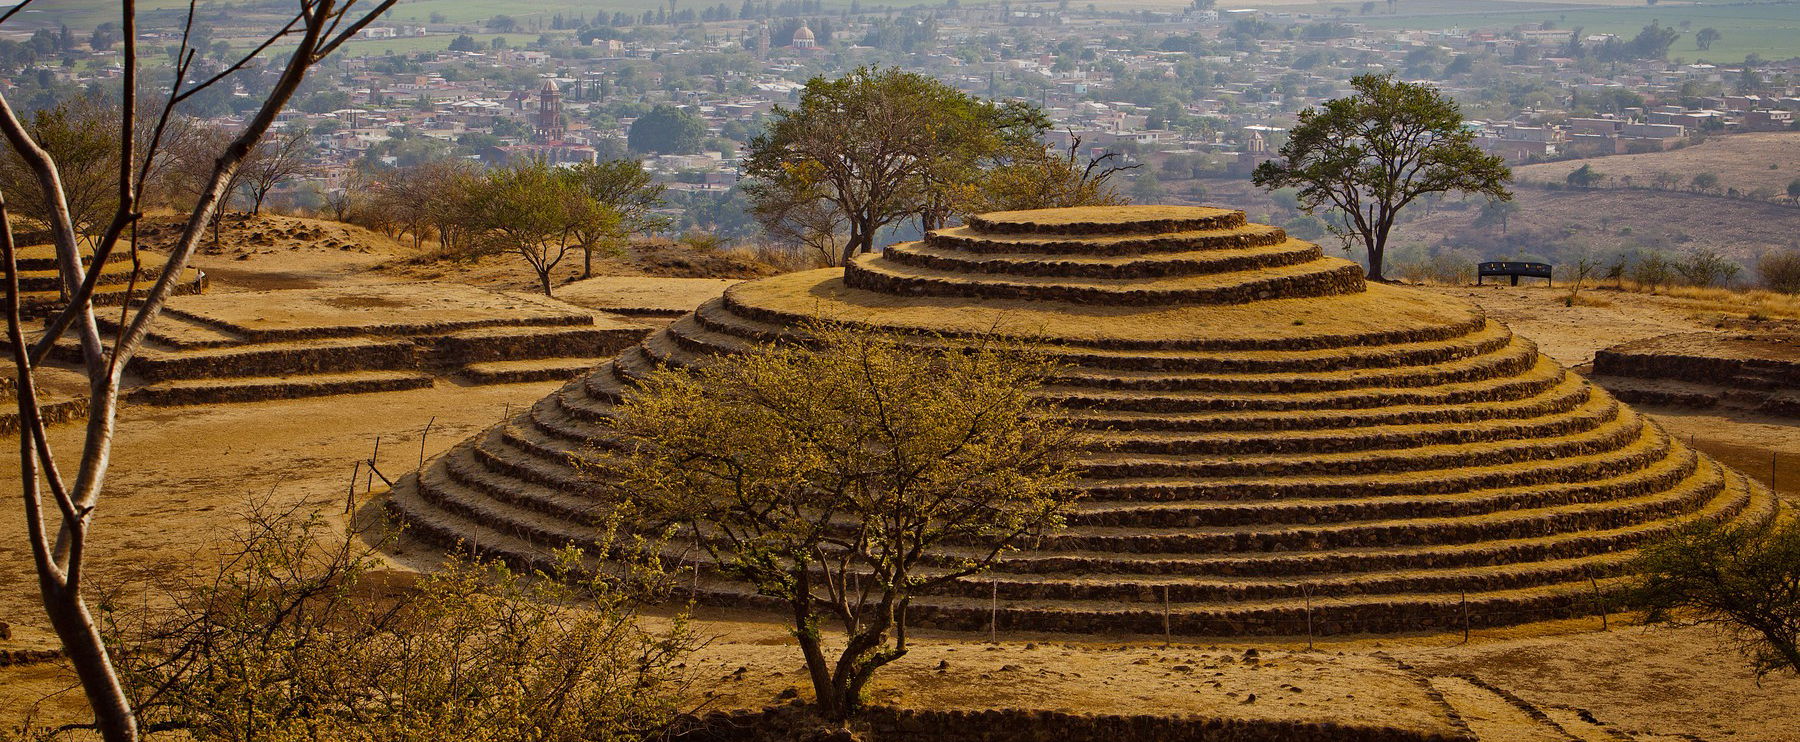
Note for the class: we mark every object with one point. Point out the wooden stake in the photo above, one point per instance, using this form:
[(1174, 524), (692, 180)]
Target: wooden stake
[(1465, 616), (994, 613), (350, 499), (1599, 602), (1167, 633), (422, 436), (1306, 590), (1772, 456), (369, 482)]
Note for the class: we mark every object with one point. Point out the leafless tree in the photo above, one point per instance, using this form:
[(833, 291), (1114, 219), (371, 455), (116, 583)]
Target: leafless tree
[(59, 538), (343, 197), (272, 163)]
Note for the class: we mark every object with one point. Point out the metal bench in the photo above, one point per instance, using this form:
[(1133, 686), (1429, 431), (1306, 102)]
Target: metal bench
[(1514, 269)]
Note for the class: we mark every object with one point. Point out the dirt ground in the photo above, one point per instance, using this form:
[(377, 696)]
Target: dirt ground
[(181, 474)]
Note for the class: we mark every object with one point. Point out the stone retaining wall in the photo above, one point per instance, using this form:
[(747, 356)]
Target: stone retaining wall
[(883, 723)]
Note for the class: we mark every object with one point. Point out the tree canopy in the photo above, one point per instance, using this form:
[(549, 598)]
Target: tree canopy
[(823, 474), (666, 130), (1742, 578), (1368, 156), (878, 146)]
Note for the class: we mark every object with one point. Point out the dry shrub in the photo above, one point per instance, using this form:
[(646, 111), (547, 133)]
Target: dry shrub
[(780, 258), (296, 636), (1704, 268), (1586, 300), (703, 241), (1780, 271), (1438, 269), (1651, 271), (1750, 302)]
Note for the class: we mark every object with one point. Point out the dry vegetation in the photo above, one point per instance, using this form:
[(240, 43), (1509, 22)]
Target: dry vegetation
[(1609, 221)]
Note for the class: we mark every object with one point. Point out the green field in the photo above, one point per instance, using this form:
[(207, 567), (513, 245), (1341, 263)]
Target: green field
[(1771, 30)]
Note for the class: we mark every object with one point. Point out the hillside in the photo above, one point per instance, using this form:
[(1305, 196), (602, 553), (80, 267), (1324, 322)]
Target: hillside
[(1743, 161), (1556, 225)]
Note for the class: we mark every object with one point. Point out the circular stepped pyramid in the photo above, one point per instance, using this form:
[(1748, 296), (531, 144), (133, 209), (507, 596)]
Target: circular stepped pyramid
[(1282, 441)]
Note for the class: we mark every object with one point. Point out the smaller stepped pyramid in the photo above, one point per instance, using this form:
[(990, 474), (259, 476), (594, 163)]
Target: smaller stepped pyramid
[(1285, 448), (262, 345), (40, 283), (1744, 370), (61, 395)]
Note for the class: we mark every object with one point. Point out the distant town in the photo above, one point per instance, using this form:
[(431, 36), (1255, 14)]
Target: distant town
[(1196, 93)]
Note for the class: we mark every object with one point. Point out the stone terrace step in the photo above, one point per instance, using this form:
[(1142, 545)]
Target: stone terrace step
[(1351, 613), (1566, 395), (323, 356), (1378, 315), (968, 239), (714, 328), (1545, 374), (171, 331), (547, 516), (1403, 531), (1729, 501), (1648, 446), (1659, 476), (1596, 411), (257, 389), (529, 370), (50, 279), (1517, 357), (1610, 435), (1312, 279), (512, 343), (42, 257), (1160, 265), (1107, 220)]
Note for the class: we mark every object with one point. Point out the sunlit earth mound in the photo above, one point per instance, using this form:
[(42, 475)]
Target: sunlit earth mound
[(1282, 447)]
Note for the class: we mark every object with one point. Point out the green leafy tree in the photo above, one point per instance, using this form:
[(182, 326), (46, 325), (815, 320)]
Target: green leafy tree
[(880, 146), (1793, 190), (1496, 212), (530, 210), (824, 474), (1652, 42), (1037, 178), (82, 135), (1705, 182), (1366, 157), (666, 130), (1742, 578), (625, 189), (1585, 177), (1703, 40)]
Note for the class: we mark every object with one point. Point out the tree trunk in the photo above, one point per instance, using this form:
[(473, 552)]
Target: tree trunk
[(806, 631), (587, 260), (1786, 648), (87, 653), (862, 239), (544, 281)]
